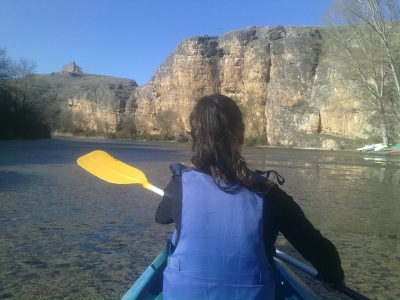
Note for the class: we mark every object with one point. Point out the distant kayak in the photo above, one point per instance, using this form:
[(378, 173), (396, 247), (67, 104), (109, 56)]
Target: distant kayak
[(149, 285), (379, 147), (394, 151)]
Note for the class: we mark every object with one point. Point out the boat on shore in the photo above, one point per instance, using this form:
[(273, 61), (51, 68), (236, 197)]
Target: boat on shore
[(379, 147), (369, 147), (149, 285)]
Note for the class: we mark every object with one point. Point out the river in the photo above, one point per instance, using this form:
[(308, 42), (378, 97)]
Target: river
[(65, 234)]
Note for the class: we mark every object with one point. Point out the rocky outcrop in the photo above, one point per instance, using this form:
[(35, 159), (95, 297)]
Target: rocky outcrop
[(92, 102), (277, 75), (100, 109)]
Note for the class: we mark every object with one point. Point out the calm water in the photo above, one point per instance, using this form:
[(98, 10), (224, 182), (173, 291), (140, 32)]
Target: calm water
[(65, 234)]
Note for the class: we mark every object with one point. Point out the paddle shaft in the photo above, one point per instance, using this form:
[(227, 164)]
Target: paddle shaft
[(313, 273), (157, 190)]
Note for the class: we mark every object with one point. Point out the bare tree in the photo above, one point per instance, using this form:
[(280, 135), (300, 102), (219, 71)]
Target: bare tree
[(4, 64), (23, 83), (22, 110), (362, 45)]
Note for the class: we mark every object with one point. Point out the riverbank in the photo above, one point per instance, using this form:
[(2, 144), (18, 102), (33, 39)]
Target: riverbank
[(60, 135), (326, 142)]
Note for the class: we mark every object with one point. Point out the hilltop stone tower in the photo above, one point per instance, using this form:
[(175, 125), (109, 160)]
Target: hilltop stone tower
[(71, 67)]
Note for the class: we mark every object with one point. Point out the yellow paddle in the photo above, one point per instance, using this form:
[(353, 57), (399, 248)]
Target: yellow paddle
[(103, 165)]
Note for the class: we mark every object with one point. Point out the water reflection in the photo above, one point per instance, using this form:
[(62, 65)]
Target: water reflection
[(354, 202), (393, 160)]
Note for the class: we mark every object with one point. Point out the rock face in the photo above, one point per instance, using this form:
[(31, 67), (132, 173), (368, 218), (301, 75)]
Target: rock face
[(92, 102), (277, 75), (284, 84), (100, 109), (71, 67)]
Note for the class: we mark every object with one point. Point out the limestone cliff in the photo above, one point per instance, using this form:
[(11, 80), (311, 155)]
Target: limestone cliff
[(280, 78), (98, 109), (89, 102), (277, 75)]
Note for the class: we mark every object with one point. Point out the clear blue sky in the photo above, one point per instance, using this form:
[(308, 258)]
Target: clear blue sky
[(131, 38)]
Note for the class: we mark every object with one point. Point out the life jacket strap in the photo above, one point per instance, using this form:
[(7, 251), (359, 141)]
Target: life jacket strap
[(177, 169), (278, 177)]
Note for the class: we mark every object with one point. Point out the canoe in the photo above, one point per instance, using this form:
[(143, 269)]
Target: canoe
[(394, 152), (149, 285), (369, 147)]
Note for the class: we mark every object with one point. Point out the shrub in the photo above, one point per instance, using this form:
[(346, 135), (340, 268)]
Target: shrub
[(182, 138), (256, 140), (250, 140)]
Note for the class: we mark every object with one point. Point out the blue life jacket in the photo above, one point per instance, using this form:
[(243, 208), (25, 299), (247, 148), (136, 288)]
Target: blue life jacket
[(220, 254)]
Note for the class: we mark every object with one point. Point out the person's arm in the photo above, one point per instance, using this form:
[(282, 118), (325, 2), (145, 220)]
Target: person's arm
[(170, 207), (307, 240)]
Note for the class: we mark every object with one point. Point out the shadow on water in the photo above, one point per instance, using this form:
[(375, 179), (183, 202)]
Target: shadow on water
[(61, 151), (10, 180)]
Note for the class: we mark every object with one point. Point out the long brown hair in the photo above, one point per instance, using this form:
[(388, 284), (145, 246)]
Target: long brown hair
[(216, 122)]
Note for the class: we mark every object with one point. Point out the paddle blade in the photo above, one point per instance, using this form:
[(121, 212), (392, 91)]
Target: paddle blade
[(110, 169)]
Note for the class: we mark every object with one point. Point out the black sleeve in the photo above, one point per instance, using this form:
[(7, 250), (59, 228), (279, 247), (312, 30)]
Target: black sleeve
[(307, 240), (170, 208)]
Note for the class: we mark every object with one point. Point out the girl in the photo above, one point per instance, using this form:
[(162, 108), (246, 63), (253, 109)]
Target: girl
[(227, 218)]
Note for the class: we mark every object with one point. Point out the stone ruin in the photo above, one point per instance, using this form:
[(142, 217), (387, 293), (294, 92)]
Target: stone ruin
[(71, 67)]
